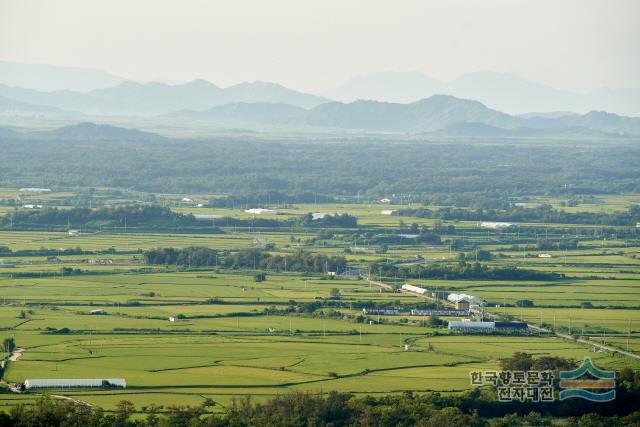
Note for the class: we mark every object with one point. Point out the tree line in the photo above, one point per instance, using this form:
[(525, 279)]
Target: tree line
[(255, 259), (461, 271), (544, 213)]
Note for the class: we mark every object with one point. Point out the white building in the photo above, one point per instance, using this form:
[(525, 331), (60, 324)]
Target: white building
[(258, 211), (458, 297), (34, 190), (74, 232), (471, 325), (495, 225), (414, 289)]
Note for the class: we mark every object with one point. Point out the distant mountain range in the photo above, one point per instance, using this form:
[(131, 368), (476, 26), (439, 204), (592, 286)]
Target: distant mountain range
[(86, 131), (11, 107), (97, 92), (439, 113), (437, 116), (144, 99), (504, 92), (46, 77), (269, 103)]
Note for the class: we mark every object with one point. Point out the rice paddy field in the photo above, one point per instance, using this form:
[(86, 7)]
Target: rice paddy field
[(232, 336)]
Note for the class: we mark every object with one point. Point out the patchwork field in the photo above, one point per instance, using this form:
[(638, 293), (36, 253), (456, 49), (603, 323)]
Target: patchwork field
[(231, 335)]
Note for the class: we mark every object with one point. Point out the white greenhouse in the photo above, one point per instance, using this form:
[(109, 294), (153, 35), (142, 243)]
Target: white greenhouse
[(71, 383)]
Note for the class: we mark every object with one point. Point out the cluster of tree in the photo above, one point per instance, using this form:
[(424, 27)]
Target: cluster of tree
[(299, 261), (336, 220), (329, 221), (196, 256), (544, 213), (547, 244), (461, 270), (121, 216), (268, 198), (6, 251)]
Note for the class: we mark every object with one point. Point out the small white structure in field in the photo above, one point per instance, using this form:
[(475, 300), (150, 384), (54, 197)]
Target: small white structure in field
[(34, 190), (386, 212), (495, 225), (385, 200), (172, 319), (74, 232), (32, 206), (258, 211), (98, 312), (204, 217), (414, 289), (200, 205), (318, 215), (457, 297), (544, 256), (187, 199), (406, 347), (371, 322)]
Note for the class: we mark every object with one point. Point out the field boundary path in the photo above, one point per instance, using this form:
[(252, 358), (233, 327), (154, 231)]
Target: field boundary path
[(16, 354)]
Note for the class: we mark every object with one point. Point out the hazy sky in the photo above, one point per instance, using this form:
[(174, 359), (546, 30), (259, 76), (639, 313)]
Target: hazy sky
[(316, 45)]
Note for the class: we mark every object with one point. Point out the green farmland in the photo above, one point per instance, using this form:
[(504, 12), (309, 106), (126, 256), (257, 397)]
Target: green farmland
[(231, 335)]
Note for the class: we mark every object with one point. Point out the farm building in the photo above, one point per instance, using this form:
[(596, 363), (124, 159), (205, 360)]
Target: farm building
[(204, 217), (462, 305), (414, 289), (258, 211), (440, 295), (72, 383), (381, 311), (495, 225), (386, 212), (385, 200), (511, 325), (436, 312), (455, 297), (74, 232), (472, 325), (544, 256), (98, 312), (499, 326), (34, 190)]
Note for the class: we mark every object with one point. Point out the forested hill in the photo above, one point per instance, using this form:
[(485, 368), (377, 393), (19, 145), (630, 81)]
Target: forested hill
[(325, 166)]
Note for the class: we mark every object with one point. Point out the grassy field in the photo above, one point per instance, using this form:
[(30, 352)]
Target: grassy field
[(234, 336)]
